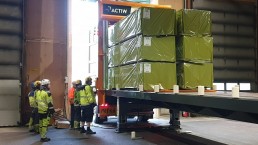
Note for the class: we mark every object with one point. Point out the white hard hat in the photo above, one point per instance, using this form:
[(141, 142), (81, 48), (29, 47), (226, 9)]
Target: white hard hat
[(45, 82)]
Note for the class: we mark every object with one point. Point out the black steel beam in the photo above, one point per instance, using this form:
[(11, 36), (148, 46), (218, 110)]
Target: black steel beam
[(244, 108)]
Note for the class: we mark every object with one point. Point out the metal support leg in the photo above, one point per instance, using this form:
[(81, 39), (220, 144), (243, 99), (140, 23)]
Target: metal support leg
[(121, 116), (174, 119)]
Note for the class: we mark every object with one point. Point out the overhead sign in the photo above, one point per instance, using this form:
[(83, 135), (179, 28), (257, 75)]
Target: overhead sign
[(109, 9)]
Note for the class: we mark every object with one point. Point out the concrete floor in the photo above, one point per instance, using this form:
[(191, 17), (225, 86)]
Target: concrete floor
[(220, 130)]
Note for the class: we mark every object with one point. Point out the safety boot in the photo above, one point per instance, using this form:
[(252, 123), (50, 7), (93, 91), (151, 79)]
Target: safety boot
[(45, 139), (82, 130), (89, 131)]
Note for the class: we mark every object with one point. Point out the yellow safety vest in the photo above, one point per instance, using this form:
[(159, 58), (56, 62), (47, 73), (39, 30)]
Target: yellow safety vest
[(87, 96), (43, 99)]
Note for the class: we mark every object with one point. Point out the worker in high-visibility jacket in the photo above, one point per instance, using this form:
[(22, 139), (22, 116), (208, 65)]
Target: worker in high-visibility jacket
[(45, 108), (77, 107), (71, 94), (88, 102), (34, 119)]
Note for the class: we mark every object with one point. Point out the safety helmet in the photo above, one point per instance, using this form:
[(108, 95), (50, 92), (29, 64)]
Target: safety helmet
[(73, 82), (87, 80), (37, 84), (45, 82), (78, 82)]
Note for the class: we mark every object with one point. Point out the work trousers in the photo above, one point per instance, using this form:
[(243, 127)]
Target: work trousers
[(34, 120), (77, 116), (44, 119), (72, 116)]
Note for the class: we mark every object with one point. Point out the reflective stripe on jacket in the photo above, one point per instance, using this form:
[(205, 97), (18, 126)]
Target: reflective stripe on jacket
[(43, 99), (86, 96)]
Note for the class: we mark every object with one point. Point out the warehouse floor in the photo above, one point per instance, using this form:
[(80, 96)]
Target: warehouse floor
[(221, 131)]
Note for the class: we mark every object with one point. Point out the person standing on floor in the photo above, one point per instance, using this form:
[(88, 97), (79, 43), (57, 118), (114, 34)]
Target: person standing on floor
[(88, 102), (71, 94), (45, 108), (34, 120), (77, 107)]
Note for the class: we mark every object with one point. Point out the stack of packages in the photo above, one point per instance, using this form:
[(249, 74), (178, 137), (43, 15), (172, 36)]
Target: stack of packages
[(142, 50), (194, 49)]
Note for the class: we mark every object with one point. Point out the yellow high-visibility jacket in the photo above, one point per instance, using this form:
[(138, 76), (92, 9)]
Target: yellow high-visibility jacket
[(44, 100), (32, 99), (86, 96)]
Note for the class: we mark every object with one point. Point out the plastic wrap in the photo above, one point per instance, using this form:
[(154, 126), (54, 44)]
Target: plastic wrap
[(111, 36), (146, 21), (143, 48), (195, 49), (191, 75), (112, 77), (113, 56), (148, 74), (194, 22)]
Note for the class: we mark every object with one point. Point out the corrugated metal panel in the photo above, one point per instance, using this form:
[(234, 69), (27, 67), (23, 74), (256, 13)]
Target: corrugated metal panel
[(9, 72), (10, 60), (232, 41), (9, 102), (228, 18), (9, 57), (234, 64), (230, 7), (10, 26), (232, 75), (233, 30), (221, 52)]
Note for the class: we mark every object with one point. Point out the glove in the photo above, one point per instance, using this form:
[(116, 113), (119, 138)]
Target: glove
[(51, 111)]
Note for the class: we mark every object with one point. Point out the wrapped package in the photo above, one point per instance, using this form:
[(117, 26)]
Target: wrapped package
[(193, 22), (113, 56), (145, 21), (142, 48), (148, 74), (112, 77), (195, 49), (192, 75)]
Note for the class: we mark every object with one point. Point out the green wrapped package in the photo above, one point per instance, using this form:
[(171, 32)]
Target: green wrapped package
[(113, 56), (192, 75), (145, 21), (193, 22), (143, 48), (148, 74), (112, 77), (195, 49)]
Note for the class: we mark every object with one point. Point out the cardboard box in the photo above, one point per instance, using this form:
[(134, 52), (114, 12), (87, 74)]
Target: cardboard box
[(62, 124)]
